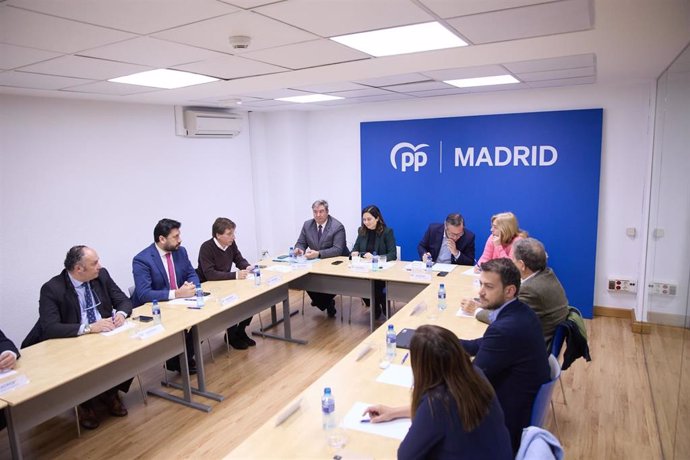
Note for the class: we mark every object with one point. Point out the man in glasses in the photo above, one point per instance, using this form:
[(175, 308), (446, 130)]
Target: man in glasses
[(448, 243), (83, 299)]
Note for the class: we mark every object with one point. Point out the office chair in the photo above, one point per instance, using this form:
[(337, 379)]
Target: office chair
[(556, 347), (543, 399)]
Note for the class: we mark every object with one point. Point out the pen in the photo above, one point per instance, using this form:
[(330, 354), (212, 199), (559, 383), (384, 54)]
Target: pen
[(404, 358), (365, 420)]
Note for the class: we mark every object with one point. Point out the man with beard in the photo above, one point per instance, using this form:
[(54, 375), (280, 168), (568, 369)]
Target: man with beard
[(163, 272), (511, 352)]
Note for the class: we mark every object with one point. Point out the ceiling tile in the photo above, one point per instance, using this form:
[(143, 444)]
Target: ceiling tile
[(267, 103), (394, 79), (529, 21), (339, 17), (246, 4), (421, 86), (466, 72), (34, 30), (213, 33), (562, 82), (557, 74), (141, 17), (453, 8), (438, 92), (331, 87), (151, 52), (509, 87), (108, 87), (17, 56), (383, 97), (540, 65), (83, 67), (362, 92), (275, 94), (37, 81), (308, 54), (230, 67)]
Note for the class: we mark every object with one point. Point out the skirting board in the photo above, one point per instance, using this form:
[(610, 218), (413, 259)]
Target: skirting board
[(636, 326)]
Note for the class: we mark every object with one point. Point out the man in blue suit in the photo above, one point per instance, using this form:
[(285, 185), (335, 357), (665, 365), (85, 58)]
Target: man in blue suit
[(163, 272), (511, 353), (449, 242)]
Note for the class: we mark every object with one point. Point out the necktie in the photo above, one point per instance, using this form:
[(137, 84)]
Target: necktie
[(171, 272), (319, 233), (90, 313)]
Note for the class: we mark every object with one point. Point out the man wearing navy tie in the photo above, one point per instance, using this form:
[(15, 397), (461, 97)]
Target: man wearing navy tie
[(163, 272), (83, 300)]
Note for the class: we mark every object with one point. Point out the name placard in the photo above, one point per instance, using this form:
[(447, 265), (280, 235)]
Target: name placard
[(14, 381), (149, 331)]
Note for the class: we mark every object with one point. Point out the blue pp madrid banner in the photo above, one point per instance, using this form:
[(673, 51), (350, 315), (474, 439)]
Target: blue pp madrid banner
[(542, 166)]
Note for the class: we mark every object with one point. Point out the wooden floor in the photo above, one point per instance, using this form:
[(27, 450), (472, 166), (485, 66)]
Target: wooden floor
[(609, 413)]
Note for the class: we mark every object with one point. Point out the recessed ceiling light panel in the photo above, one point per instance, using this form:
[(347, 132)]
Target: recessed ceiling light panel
[(483, 81), (164, 78), (309, 98)]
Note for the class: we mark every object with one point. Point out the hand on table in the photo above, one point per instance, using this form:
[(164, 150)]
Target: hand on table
[(186, 290), (469, 306), (380, 413), (7, 360), (311, 254), (118, 320), (102, 325)]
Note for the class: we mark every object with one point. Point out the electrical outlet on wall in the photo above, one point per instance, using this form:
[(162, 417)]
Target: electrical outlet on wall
[(622, 285), (662, 288)]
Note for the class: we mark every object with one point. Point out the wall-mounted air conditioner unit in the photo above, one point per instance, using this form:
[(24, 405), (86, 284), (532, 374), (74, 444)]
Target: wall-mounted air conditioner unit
[(208, 123)]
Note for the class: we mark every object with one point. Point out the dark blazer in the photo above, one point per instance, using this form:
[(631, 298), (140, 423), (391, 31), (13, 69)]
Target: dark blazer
[(151, 277), (437, 432), (7, 345), (433, 238), (332, 243), (59, 310), (545, 295), (512, 355), (215, 264), (384, 245)]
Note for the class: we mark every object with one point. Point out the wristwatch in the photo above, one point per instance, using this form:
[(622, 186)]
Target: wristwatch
[(87, 329)]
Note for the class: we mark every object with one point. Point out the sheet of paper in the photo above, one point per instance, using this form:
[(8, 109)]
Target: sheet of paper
[(461, 313), (279, 268), (439, 267), (124, 327), (397, 429), (470, 272), (396, 374), (185, 302), (418, 265)]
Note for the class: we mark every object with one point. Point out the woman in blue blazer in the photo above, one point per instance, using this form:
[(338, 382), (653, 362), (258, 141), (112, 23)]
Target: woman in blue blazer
[(374, 236), (454, 410)]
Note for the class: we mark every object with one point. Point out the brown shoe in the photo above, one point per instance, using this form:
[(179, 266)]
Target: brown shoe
[(87, 417), (116, 406)]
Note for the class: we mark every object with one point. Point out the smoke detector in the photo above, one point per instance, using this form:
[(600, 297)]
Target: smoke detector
[(239, 42)]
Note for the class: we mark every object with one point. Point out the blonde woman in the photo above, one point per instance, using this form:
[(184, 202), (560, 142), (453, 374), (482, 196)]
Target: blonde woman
[(505, 231)]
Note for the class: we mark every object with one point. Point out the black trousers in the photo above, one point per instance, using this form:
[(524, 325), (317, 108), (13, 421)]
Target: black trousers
[(321, 300), (173, 364), (242, 325)]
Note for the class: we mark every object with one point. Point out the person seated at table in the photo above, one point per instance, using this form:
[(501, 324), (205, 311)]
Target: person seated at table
[(540, 289), (321, 237), (448, 243), (162, 271), (374, 236), (505, 231), (216, 257), (454, 410), (8, 358), (83, 299)]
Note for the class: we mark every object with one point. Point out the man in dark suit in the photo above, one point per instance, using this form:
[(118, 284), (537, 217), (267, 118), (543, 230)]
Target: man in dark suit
[(8, 357), (163, 272), (322, 237), (511, 352), (448, 243), (83, 299), (216, 257), (540, 288)]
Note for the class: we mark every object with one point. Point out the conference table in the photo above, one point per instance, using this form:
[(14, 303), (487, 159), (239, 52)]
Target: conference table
[(353, 381), (65, 372)]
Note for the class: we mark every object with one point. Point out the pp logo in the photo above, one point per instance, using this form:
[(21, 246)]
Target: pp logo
[(410, 156)]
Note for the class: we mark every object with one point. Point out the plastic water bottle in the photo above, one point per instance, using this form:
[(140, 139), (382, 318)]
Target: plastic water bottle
[(257, 276), (429, 264), (442, 298), (328, 409), (291, 254), (391, 339), (374, 261), (199, 296), (156, 312)]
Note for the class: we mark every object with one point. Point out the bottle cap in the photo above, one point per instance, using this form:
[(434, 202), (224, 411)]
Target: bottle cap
[(327, 390)]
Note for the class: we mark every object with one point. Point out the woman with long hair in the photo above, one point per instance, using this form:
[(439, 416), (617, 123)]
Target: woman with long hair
[(454, 410)]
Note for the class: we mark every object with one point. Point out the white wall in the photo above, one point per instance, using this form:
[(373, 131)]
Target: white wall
[(333, 140), (75, 172)]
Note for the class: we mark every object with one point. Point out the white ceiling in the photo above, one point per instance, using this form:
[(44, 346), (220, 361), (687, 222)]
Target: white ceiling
[(70, 48)]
